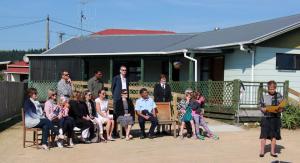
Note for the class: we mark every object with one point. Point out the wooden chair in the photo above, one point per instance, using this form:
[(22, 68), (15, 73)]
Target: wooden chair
[(164, 115), (34, 130)]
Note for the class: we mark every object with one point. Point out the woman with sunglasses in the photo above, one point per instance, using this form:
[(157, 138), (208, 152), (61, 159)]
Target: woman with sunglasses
[(125, 113), (103, 115)]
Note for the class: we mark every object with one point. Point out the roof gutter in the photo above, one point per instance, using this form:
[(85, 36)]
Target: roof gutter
[(104, 54)]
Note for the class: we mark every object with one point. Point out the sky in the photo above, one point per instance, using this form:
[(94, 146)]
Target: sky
[(181, 16)]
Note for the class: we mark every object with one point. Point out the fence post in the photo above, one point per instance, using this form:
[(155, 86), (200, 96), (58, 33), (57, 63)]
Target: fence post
[(209, 92), (286, 90), (236, 98), (260, 92)]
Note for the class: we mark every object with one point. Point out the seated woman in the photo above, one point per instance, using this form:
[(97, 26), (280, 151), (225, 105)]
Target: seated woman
[(90, 107), (34, 117), (125, 113), (80, 114), (103, 115)]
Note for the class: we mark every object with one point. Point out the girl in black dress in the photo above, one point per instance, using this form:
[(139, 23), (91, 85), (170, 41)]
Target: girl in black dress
[(270, 122)]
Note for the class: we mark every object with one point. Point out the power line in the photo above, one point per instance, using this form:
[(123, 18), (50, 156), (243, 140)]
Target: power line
[(21, 25), (57, 22)]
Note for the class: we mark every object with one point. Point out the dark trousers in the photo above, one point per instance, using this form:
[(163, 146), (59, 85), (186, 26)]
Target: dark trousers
[(189, 128), (67, 124), (46, 125), (153, 121)]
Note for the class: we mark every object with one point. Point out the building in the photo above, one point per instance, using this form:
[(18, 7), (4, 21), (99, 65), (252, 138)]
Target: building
[(17, 71), (258, 51)]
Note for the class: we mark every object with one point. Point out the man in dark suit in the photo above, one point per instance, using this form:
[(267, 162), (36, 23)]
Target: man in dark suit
[(119, 83), (162, 93)]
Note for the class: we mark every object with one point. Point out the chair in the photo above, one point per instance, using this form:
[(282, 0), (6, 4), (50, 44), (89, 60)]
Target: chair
[(164, 115), (34, 130)]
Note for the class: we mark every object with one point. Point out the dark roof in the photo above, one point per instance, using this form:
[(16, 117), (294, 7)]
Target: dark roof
[(252, 33), (130, 32)]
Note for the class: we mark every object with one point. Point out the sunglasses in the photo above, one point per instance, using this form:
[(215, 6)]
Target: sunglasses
[(123, 70), (66, 74)]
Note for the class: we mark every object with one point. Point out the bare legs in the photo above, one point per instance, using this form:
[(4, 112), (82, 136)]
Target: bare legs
[(263, 144), (128, 128), (109, 128)]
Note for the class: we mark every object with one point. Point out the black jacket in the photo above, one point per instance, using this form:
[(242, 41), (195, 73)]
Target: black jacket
[(161, 94)]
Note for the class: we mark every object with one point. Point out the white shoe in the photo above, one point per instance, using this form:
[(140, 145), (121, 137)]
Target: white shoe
[(59, 144), (76, 129), (45, 147), (71, 142)]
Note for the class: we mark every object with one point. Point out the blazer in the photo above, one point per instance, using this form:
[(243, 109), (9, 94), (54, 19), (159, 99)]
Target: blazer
[(116, 87), (32, 118), (162, 95), (119, 111)]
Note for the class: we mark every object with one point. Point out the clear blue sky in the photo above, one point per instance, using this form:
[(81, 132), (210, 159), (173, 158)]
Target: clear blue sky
[(172, 15)]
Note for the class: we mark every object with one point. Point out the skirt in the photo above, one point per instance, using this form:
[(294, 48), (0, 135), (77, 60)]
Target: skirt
[(101, 119), (125, 120), (270, 128)]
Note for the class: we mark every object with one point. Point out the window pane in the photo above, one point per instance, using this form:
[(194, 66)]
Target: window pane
[(285, 61)]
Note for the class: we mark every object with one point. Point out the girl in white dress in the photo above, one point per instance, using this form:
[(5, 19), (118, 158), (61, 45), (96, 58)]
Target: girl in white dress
[(103, 115)]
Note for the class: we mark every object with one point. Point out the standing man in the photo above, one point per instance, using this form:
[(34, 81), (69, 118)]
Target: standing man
[(162, 90), (96, 83), (119, 83), (162, 93), (146, 110), (64, 86)]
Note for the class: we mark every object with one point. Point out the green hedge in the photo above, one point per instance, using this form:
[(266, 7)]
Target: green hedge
[(291, 117)]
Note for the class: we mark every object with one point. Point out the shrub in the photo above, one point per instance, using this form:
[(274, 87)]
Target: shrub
[(291, 117)]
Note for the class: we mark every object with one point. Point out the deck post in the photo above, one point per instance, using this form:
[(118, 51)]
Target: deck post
[(142, 69), (286, 90), (170, 69), (191, 68), (111, 63)]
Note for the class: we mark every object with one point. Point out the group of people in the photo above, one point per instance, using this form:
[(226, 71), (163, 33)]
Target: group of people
[(67, 111)]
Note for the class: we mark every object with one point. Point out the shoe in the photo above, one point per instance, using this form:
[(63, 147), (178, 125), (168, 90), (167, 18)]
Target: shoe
[(111, 139), (181, 137), (76, 129), (45, 147), (59, 144), (261, 155), (71, 142), (201, 137), (86, 141), (273, 155), (102, 139), (151, 136), (143, 136), (189, 135)]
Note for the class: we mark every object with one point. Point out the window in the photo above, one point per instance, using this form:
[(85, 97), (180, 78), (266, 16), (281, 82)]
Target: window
[(287, 61)]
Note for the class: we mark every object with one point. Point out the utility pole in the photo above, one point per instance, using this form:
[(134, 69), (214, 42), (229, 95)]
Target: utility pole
[(47, 33), (82, 17), (60, 36)]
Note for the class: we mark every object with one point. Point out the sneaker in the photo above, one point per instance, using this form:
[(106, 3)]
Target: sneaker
[(76, 129), (180, 137), (201, 137), (59, 144), (215, 137), (45, 147), (151, 136)]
